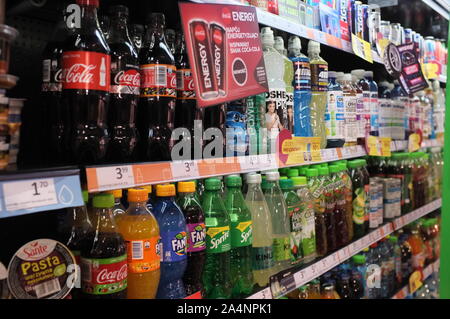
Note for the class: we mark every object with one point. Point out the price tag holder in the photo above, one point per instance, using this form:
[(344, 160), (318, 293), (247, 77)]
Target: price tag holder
[(263, 294), (185, 169), (268, 162), (362, 48), (249, 163), (415, 281), (115, 177), (344, 254), (282, 283)]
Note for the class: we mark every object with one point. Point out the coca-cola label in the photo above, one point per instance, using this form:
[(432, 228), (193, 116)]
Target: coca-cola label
[(104, 276), (185, 84), (126, 81), (85, 70), (51, 76), (158, 80)]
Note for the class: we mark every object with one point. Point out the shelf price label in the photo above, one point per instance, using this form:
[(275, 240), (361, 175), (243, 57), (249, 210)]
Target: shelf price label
[(185, 169), (29, 194), (115, 177)]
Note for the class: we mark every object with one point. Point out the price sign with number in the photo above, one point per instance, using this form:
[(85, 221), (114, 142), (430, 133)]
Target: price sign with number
[(29, 194), (249, 163), (115, 177), (184, 169)]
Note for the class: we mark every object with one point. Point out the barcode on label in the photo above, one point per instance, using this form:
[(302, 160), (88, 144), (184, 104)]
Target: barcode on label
[(161, 75), (46, 68), (180, 82), (47, 288), (86, 274), (137, 250)]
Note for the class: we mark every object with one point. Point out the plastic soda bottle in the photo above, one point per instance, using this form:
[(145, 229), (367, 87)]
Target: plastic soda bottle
[(262, 256), (374, 125), (350, 99), (196, 237), (302, 88), (347, 185), (241, 237), (118, 209), (172, 228), (140, 230), (217, 271), (334, 115), (280, 220), (340, 216), (319, 88)]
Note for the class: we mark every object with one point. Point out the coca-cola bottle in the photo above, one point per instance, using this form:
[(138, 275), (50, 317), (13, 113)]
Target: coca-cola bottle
[(158, 94), (171, 40), (125, 86), (104, 261), (137, 36), (55, 120), (86, 64), (214, 117)]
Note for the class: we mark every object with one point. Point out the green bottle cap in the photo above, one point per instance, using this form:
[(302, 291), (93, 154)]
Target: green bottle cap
[(103, 201), (233, 181), (359, 259), (316, 166), (303, 288), (265, 184), (324, 165), (292, 172), (85, 196), (213, 184), (334, 169), (283, 177), (312, 172), (363, 162), (324, 171), (342, 167), (286, 184), (393, 239), (396, 156), (353, 164), (302, 170), (299, 181), (283, 171)]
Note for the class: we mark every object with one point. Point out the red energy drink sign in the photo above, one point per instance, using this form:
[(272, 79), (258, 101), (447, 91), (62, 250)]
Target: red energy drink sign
[(224, 51)]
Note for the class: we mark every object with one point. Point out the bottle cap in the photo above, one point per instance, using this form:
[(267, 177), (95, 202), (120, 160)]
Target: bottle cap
[(393, 239), (334, 169), (117, 193), (85, 196), (331, 74), (213, 184), (158, 18), (118, 10), (313, 47), (279, 44), (374, 245), (283, 177), (94, 3), (283, 171), (302, 170), (148, 188), (324, 171), (366, 249), (267, 38), (253, 179), (368, 74), (353, 164), (292, 172), (359, 259), (103, 200), (137, 194), (272, 176), (347, 77), (165, 190), (233, 181), (359, 73), (312, 172), (286, 184), (299, 181), (294, 45), (186, 187)]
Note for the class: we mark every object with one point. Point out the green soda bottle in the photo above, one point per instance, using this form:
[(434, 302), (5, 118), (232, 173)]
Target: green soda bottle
[(294, 210), (241, 238), (217, 272)]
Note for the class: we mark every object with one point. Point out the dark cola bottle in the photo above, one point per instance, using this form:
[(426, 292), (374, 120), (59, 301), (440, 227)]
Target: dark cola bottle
[(86, 64), (137, 36), (125, 88), (214, 140), (158, 94), (186, 106), (54, 114)]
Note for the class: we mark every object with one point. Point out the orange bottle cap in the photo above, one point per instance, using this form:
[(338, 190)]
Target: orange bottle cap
[(186, 187), (165, 190), (137, 195), (148, 188), (117, 193)]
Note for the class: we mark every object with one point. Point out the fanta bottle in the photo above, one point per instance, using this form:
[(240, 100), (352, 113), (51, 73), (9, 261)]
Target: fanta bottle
[(140, 230), (172, 227)]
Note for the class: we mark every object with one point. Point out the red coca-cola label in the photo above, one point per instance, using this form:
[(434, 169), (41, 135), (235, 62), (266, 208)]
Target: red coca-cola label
[(84, 70), (185, 84), (126, 82), (158, 80), (104, 276)]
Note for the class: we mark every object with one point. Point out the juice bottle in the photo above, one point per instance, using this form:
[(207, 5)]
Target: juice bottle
[(303, 292), (340, 216), (418, 249), (330, 204), (217, 272), (319, 88), (359, 108), (364, 86), (334, 115), (357, 276), (366, 181), (140, 230), (329, 292), (280, 220), (196, 237), (384, 110), (294, 211), (359, 199), (314, 289), (348, 195), (262, 256), (307, 219), (343, 286), (241, 238), (118, 209), (351, 127), (318, 199), (172, 229), (302, 88)]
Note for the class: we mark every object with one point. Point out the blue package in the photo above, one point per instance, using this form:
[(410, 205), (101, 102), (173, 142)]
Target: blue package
[(236, 126), (330, 20)]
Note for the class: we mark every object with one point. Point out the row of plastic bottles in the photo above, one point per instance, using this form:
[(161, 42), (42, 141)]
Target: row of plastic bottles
[(341, 109), (382, 269)]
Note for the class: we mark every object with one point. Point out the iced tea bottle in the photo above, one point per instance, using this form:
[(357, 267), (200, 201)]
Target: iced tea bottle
[(340, 216), (330, 204), (141, 233)]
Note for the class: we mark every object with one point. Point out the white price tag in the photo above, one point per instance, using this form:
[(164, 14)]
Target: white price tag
[(344, 254), (346, 153), (115, 177), (250, 163), (184, 169), (301, 278), (29, 194), (268, 162), (263, 294)]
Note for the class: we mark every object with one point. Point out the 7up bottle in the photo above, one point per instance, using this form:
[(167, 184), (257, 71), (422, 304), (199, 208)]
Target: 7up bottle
[(241, 238), (217, 272)]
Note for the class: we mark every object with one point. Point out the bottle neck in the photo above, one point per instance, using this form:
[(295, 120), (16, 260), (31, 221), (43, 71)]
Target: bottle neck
[(157, 31), (80, 216), (133, 206), (89, 18), (105, 221), (119, 30), (314, 55)]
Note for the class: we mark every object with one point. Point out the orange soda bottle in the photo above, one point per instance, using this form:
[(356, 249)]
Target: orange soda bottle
[(140, 230)]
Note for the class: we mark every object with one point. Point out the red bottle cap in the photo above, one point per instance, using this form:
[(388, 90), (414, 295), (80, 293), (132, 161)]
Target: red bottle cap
[(95, 3)]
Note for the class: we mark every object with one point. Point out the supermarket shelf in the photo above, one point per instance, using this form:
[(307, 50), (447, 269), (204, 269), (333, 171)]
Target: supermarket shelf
[(427, 272), (439, 6), (27, 192), (289, 280), (281, 23), (432, 143)]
